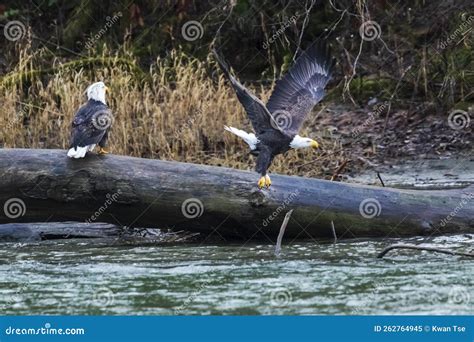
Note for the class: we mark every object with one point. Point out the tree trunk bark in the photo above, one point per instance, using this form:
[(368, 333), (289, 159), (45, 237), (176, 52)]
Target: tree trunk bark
[(46, 186)]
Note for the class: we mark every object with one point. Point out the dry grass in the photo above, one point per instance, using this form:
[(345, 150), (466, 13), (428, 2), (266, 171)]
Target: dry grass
[(177, 113)]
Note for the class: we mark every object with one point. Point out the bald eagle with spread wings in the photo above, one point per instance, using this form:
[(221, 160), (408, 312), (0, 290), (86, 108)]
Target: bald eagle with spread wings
[(277, 123), (90, 126)]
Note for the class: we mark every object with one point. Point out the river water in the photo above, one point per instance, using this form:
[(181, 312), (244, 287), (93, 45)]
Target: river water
[(84, 277)]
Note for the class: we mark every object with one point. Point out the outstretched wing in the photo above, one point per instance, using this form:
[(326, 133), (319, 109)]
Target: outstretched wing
[(258, 114), (301, 88), (90, 124)]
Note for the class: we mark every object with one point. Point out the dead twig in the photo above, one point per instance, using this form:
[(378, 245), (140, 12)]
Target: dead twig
[(334, 231), (324, 154), (282, 232), (303, 26), (380, 179), (339, 169), (368, 162), (218, 32), (391, 99), (420, 248), (348, 80)]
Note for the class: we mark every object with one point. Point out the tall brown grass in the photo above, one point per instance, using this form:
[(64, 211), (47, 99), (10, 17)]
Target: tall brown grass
[(176, 111)]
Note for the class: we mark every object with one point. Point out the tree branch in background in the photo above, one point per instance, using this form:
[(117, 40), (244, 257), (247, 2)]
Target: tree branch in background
[(305, 23)]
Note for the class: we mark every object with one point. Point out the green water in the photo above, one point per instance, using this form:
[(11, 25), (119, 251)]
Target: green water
[(84, 277)]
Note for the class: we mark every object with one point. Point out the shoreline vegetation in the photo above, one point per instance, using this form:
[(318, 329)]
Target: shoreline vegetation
[(170, 101)]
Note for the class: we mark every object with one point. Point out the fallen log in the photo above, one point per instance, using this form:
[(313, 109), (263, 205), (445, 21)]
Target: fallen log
[(45, 186), (34, 232)]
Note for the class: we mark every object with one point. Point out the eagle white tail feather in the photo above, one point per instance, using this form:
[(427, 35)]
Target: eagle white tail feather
[(249, 138), (79, 152)]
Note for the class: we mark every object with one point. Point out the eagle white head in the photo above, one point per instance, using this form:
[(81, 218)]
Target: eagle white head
[(301, 142), (96, 92)]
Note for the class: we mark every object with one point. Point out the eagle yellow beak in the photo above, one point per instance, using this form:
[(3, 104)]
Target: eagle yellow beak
[(314, 144), (106, 88)]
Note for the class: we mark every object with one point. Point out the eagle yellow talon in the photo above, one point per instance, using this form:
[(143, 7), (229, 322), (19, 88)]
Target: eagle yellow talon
[(264, 182), (268, 181), (261, 182), (103, 151)]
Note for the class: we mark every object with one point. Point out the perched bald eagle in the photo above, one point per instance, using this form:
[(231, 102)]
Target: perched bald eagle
[(277, 124), (91, 123)]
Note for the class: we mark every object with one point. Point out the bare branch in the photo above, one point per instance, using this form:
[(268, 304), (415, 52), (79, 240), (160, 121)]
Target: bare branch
[(282, 232), (421, 248)]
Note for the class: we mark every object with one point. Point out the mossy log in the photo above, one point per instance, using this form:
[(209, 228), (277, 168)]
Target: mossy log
[(46, 186)]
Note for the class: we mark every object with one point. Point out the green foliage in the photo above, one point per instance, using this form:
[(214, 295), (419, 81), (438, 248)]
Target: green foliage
[(11, 13), (149, 29)]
